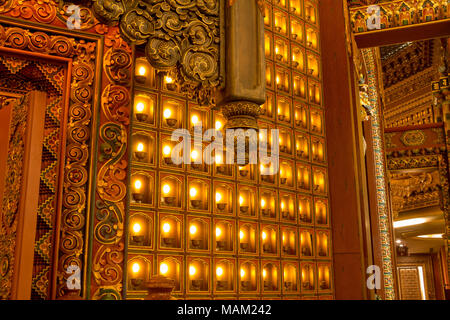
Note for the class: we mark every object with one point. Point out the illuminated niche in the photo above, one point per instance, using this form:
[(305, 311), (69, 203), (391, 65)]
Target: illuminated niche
[(304, 209), (198, 275), (269, 236), (139, 270), (247, 238), (171, 268), (223, 198), (290, 277), (141, 230), (144, 108), (320, 210), (198, 234), (224, 275), (303, 176), (301, 116), (142, 184), (171, 191), (287, 206), (323, 271), (170, 232), (247, 201), (224, 236), (289, 241), (198, 194), (307, 276), (267, 204), (270, 275), (247, 275), (143, 145), (306, 243), (322, 243), (302, 146)]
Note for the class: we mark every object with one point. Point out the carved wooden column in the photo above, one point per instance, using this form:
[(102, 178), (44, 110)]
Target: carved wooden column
[(244, 64)]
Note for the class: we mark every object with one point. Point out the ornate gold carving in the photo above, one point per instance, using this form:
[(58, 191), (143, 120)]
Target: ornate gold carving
[(401, 13), (180, 36), (241, 114), (413, 138), (414, 190), (115, 102), (73, 218), (412, 162), (12, 191)]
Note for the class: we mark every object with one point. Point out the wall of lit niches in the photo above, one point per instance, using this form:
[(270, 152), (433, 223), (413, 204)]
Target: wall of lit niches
[(226, 231)]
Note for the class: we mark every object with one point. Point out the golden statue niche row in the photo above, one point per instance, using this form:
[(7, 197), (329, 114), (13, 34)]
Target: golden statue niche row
[(227, 230)]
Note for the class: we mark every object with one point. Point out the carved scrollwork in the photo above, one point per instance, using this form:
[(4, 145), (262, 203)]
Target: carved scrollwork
[(181, 37), (241, 114)]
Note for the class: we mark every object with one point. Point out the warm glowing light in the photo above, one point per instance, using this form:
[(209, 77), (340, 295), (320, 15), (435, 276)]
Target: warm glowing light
[(218, 159), (242, 273), (218, 125), (192, 270), (193, 192), (278, 80), (167, 113), (264, 235), (218, 232), (264, 273), (431, 236), (194, 155), (241, 234), (168, 79), (277, 50), (137, 185), (136, 267), (282, 205), (166, 189), (193, 230), (241, 200), (194, 120), (263, 203), (140, 106), (219, 271), (166, 227), (136, 227), (140, 147), (261, 137), (218, 197), (163, 268), (408, 222), (167, 150), (142, 71)]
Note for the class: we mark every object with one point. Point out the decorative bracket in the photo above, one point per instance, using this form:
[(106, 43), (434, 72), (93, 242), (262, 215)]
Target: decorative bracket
[(182, 37)]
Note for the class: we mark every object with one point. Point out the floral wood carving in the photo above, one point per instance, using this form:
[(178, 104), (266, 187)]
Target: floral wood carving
[(181, 37), (11, 195), (76, 173), (413, 138)]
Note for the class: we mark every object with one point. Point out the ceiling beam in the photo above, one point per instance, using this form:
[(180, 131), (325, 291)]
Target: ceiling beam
[(415, 32)]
